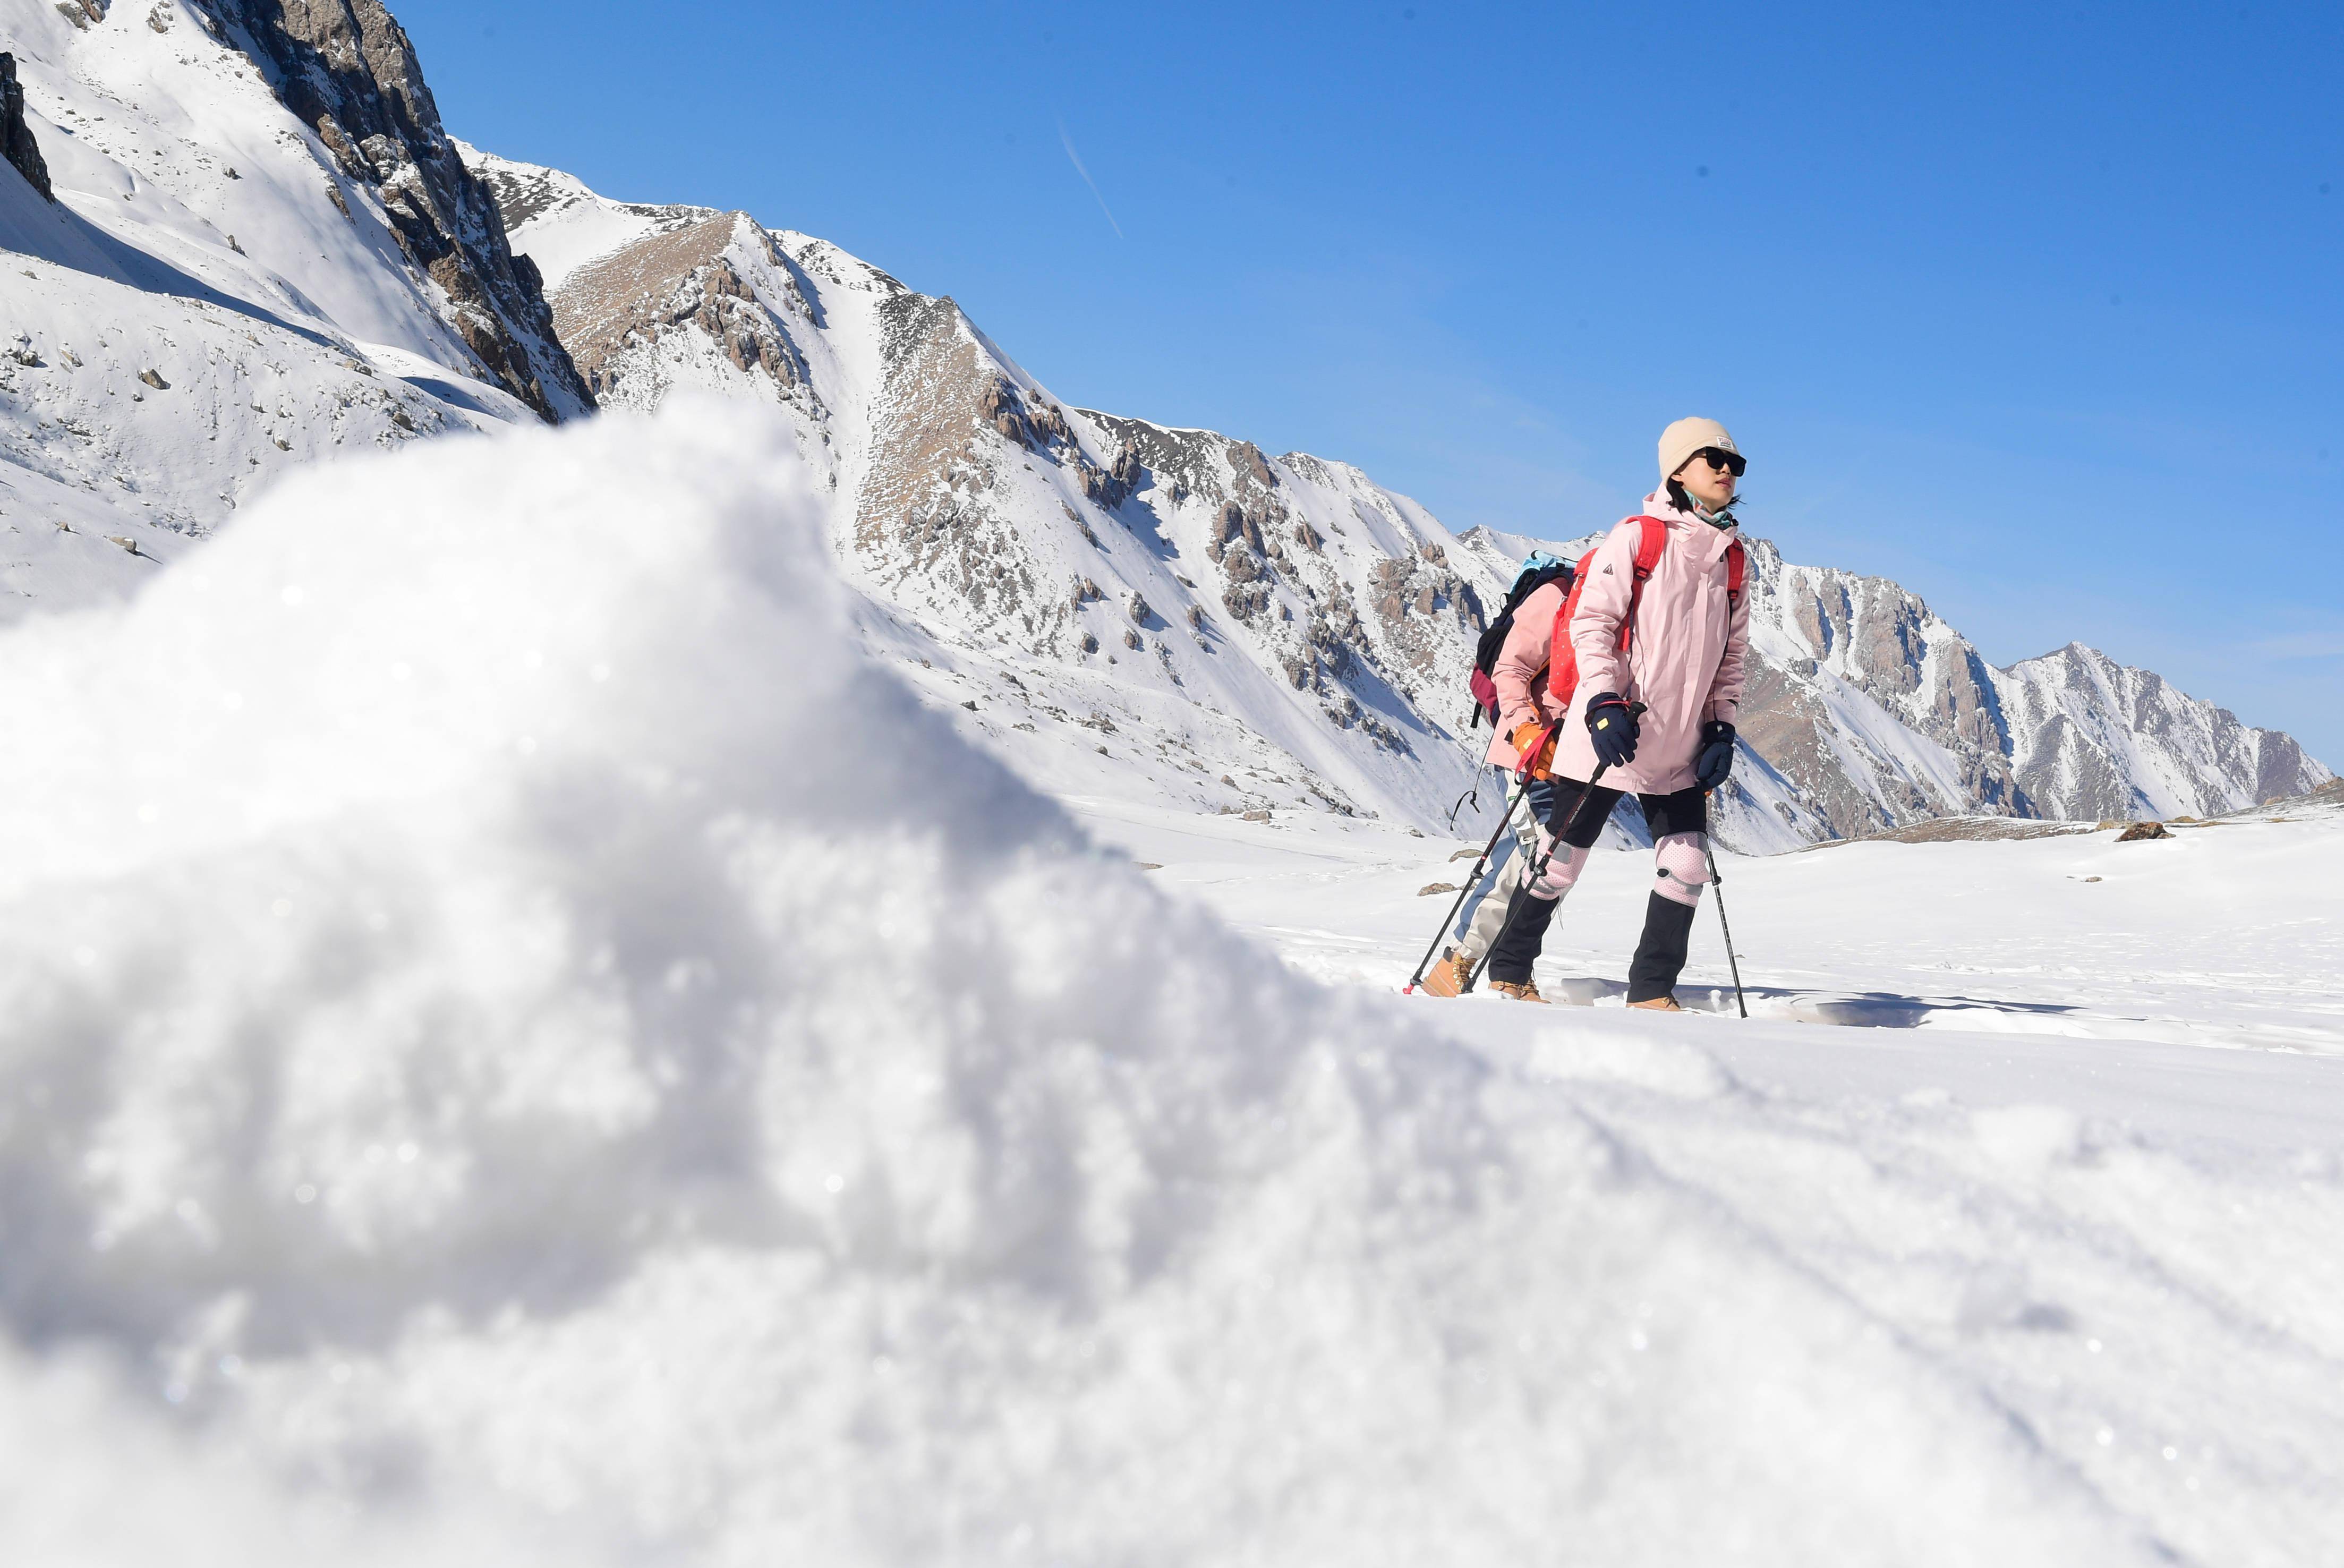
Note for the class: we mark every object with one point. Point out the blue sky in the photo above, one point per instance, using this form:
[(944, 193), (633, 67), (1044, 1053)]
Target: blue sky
[(2037, 309)]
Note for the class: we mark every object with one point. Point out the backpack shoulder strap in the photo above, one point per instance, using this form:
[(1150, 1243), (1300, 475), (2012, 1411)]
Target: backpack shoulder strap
[(1651, 539), (1650, 544), (1737, 568), (1570, 605)]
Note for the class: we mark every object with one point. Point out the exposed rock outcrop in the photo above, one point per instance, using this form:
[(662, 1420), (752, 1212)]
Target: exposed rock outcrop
[(17, 143), (702, 275), (2093, 737), (346, 70)]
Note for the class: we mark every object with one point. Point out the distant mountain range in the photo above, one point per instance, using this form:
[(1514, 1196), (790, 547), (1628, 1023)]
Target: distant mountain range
[(258, 209)]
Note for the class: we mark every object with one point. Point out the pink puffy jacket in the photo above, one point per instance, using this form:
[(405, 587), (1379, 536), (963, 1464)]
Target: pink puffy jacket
[(1519, 671), (1685, 653)]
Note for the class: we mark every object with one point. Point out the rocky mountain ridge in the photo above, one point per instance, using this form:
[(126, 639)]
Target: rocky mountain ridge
[(2071, 735), (348, 71), (18, 146), (304, 142)]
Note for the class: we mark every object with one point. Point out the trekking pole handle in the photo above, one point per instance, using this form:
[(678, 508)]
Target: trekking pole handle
[(1602, 768)]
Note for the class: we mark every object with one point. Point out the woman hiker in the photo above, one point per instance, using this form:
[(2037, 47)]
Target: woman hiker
[(1674, 644)]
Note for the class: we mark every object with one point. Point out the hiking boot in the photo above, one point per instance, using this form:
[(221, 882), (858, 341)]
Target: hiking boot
[(1451, 976), (1659, 1004), (1519, 990)]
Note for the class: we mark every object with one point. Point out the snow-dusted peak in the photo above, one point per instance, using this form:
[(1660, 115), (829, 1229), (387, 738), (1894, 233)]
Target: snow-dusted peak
[(2106, 740), (567, 224)]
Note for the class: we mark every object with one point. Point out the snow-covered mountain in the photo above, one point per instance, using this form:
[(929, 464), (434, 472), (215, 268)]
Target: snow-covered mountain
[(242, 243), (2072, 734)]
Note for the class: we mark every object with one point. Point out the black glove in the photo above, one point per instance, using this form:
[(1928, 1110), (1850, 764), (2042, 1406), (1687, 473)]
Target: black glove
[(1716, 758), (1611, 725)]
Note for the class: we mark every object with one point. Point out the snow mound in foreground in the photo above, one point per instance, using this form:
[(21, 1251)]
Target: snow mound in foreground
[(519, 1042)]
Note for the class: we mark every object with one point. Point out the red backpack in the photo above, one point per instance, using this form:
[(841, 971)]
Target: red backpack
[(1562, 659)]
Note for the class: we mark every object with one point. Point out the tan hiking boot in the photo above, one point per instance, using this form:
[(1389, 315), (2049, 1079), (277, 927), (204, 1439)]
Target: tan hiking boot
[(1523, 991), (1448, 977), (1659, 1004)]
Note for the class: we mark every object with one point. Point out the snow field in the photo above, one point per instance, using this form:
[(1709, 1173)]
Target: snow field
[(2181, 941), (2047, 1185), (519, 1034), (2155, 1311)]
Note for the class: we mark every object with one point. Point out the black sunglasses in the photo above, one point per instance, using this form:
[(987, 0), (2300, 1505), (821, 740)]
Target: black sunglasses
[(1732, 462)]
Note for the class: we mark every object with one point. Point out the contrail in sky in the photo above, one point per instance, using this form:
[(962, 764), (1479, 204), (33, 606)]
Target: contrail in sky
[(1076, 159)]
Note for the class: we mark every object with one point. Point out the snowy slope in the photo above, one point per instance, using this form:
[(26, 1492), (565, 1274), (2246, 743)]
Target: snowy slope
[(132, 422), (495, 1076), (172, 129), (208, 302)]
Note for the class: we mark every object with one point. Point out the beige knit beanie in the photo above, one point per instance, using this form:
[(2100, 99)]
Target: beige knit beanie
[(1686, 437)]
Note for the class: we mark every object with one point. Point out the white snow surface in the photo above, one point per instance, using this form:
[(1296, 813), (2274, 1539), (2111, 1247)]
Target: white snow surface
[(526, 1044)]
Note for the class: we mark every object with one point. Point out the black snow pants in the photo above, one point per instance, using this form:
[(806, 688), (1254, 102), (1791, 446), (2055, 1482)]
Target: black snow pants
[(1668, 925)]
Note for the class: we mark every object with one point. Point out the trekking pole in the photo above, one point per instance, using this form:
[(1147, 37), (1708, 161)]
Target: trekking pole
[(1537, 868), (1521, 793), (1730, 957)]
